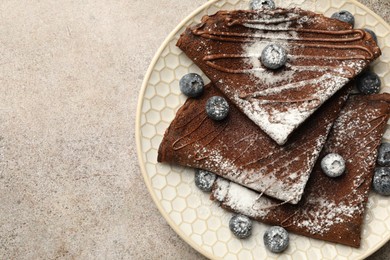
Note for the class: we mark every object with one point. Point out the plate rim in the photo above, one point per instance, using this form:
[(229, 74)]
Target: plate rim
[(138, 137), (138, 128)]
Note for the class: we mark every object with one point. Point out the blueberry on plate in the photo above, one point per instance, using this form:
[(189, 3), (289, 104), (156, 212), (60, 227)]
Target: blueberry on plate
[(217, 108), (368, 83), (333, 165), (276, 239), (373, 34), (261, 4), (191, 85), (204, 180), (273, 56), (384, 154), (381, 180), (241, 226), (344, 16)]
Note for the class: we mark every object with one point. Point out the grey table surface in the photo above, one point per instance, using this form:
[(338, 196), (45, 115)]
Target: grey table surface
[(70, 74)]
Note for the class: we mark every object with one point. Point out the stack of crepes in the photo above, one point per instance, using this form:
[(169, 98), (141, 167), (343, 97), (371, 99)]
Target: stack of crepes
[(267, 152)]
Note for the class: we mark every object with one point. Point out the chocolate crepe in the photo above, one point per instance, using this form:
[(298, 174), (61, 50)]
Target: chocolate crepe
[(331, 209), (239, 150), (323, 55)]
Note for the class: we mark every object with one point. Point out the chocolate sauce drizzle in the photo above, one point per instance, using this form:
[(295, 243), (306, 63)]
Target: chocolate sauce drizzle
[(277, 164), (342, 40), (214, 133), (342, 71)]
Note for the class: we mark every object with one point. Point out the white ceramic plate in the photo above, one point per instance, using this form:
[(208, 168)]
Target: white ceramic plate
[(199, 221)]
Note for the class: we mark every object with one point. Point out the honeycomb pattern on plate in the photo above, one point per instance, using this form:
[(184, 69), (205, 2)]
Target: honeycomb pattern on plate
[(189, 211)]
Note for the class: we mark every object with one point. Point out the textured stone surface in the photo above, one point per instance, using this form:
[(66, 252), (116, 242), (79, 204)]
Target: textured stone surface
[(70, 185)]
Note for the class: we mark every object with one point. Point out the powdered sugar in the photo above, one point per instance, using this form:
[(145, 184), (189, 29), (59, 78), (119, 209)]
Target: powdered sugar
[(288, 189), (242, 200), (279, 124), (280, 28), (221, 189), (323, 214)]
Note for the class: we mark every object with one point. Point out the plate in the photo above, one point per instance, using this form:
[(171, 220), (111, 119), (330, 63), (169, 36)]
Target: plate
[(199, 221)]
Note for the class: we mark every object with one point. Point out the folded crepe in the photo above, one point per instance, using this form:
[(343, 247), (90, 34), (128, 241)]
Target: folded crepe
[(323, 55), (237, 149), (331, 209)]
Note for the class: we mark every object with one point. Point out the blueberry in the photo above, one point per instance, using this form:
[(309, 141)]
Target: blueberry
[(344, 16), (204, 180), (373, 34), (241, 226), (276, 239), (381, 181), (261, 4), (368, 83), (384, 154), (217, 108), (273, 56), (191, 85), (333, 165)]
